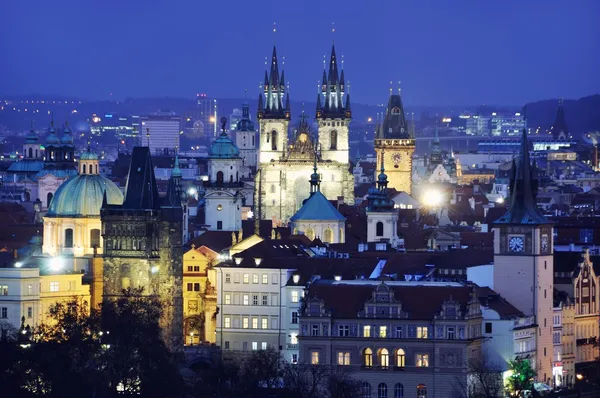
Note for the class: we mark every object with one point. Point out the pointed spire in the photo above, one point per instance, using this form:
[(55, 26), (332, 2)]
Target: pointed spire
[(176, 170), (333, 69), (260, 104), (348, 109), (342, 80), (318, 104), (314, 177), (287, 102), (382, 178), (282, 81), (560, 130), (523, 208), (274, 77)]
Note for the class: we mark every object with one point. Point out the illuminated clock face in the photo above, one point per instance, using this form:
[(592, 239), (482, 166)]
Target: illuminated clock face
[(545, 243), (303, 137), (396, 158), (515, 244)]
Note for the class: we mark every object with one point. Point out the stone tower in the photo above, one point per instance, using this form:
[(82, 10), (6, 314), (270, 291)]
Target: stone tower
[(382, 217), (142, 244), (273, 116), (393, 137), (245, 139), (334, 115), (523, 260)]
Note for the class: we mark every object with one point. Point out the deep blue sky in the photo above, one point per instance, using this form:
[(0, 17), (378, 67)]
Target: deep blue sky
[(445, 52)]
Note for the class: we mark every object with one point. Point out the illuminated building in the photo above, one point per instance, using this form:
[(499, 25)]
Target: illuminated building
[(477, 125), (282, 179), (523, 247), (120, 126), (382, 216), (245, 138), (507, 125), (199, 295), (160, 133), (394, 138), (208, 114)]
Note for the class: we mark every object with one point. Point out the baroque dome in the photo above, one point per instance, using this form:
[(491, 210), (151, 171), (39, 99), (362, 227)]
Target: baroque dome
[(82, 196), (224, 148)]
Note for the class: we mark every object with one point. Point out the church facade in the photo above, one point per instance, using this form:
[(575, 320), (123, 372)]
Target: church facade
[(284, 170)]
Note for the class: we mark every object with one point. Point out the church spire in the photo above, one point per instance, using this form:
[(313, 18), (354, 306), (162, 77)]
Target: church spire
[(382, 178), (523, 208), (560, 129), (315, 181)]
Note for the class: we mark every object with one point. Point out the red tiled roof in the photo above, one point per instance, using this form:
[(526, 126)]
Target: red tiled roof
[(421, 302)]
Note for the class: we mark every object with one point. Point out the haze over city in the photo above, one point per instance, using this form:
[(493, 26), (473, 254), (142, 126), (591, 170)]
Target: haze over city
[(444, 52)]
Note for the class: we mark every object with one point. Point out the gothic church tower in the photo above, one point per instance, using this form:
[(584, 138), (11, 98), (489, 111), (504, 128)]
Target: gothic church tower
[(393, 137), (523, 260)]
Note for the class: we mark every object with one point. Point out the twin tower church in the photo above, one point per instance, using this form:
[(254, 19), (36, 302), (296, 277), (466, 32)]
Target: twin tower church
[(284, 169)]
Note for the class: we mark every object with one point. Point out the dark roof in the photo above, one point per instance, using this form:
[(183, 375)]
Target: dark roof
[(394, 124), (524, 183), (141, 191), (560, 124), (328, 268), (421, 302), (214, 240), (491, 299), (406, 263)]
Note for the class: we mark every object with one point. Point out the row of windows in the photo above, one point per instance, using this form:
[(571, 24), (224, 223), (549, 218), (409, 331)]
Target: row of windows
[(4, 312), (382, 390), (422, 332), (383, 358), (94, 238), (262, 299), (263, 345), (264, 278), (264, 322), (4, 290)]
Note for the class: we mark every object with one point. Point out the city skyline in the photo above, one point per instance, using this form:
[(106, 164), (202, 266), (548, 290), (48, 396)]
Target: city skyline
[(467, 53)]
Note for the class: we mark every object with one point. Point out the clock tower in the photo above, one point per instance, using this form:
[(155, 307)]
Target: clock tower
[(393, 137), (523, 260)]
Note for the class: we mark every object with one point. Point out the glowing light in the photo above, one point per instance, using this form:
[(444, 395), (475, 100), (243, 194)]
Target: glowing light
[(211, 119), (432, 198), (369, 119), (250, 214), (500, 200), (154, 269), (446, 120), (18, 264), (337, 278), (192, 191), (579, 376), (56, 263)]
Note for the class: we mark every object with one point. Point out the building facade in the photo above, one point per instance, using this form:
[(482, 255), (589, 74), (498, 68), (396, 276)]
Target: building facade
[(282, 179), (160, 132)]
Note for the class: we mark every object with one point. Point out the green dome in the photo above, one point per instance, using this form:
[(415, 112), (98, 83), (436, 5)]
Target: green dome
[(224, 148), (88, 155), (82, 196)]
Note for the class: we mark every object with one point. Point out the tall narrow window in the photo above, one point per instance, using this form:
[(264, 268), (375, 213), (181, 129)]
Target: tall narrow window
[(274, 140), (398, 390), (30, 153), (220, 177), (328, 236), (368, 358), (384, 358), (379, 229), (382, 390), (68, 237), (366, 390), (400, 358), (95, 238), (49, 199), (83, 167), (333, 140)]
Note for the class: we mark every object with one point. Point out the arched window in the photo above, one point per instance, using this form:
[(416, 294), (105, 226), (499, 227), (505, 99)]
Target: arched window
[(365, 390), (341, 238), (310, 233), (421, 391), (95, 238), (398, 390), (49, 199), (30, 153), (328, 236), (400, 358), (383, 356), (333, 139), (379, 228), (220, 177), (68, 237), (231, 178), (83, 167), (382, 390), (274, 140), (368, 358)]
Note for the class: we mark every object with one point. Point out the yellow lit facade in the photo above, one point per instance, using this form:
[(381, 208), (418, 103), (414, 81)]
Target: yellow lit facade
[(199, 295), (57, 288)]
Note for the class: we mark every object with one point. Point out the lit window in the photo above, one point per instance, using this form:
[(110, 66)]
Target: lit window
[(3, 290), (246, 278), (227, 322), (294, 339), (254, 323), (228, 299), (314, 357), (246, 300), (265, 278), (368, 357), (255, 345), (422, 360), (264, 323), (383, 331), (384, 358), (245, 323), (343, 358), (254, 278), (366, 331), (263, 345), (400, 358), (30, 289), (294, 296), (54, 286), (422, 332)]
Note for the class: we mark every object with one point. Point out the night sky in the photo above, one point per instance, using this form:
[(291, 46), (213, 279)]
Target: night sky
[(445, 52)]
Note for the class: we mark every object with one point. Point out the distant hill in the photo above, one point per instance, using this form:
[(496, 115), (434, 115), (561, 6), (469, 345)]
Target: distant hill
[(582, 115)]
